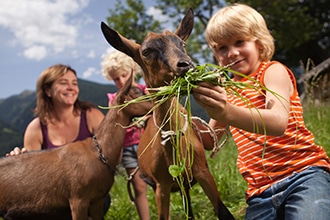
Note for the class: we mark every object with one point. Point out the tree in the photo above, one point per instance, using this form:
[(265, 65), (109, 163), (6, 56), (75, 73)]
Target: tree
[(301, 27), (132, 20), (203, 10)]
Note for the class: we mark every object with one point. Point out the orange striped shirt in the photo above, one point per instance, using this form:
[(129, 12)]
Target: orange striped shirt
[(263, 159)]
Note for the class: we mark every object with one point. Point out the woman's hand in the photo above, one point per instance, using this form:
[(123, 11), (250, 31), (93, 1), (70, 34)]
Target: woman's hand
[(16, 151)]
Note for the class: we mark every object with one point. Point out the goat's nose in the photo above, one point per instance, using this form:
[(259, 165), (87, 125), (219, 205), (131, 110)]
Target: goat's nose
[(184, 66)]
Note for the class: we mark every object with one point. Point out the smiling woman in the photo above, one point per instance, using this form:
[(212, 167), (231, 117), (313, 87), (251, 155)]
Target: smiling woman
[(61, 117)]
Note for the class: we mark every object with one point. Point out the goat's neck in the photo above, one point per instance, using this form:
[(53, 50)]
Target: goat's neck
[(166, 117), (110, 134)]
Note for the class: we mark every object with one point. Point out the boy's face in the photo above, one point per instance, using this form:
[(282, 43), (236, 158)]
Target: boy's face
[(242, 54)]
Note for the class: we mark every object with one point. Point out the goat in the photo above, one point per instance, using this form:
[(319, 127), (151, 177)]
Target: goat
[(45, 184), (162, 58)]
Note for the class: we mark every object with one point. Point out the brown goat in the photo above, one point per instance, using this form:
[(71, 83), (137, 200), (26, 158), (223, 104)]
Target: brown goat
[(162, 58), (48, 183)]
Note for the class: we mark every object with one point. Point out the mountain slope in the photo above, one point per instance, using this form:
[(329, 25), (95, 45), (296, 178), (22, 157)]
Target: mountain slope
[(17, 111)]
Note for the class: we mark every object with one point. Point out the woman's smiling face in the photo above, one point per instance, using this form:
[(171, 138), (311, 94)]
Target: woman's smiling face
[(65, 89)]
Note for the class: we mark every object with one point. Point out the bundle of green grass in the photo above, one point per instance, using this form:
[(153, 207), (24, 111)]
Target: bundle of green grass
[(182, 86)]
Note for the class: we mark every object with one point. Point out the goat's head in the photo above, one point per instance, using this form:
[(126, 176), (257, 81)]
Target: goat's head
[(128, 93), (161, 56)]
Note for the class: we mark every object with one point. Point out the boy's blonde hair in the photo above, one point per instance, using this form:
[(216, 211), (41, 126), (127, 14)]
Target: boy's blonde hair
[(117, 60), (242, 22)]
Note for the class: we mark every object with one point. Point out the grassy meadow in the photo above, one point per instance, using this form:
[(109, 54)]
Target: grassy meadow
[(223, 167)]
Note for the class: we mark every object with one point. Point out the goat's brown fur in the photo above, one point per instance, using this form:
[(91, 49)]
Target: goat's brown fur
[(51, 182), (163, 57)]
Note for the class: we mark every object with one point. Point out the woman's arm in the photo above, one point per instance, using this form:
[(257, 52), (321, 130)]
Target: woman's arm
[(33, 136), (32, 139), (94, 117)]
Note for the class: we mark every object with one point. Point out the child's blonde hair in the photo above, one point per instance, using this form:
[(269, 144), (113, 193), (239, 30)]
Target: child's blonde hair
[(240, 21), (117, 60)]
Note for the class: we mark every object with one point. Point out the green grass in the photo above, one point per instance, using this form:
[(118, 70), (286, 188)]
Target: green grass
[(223, 167), (230, 184), (317, 119)]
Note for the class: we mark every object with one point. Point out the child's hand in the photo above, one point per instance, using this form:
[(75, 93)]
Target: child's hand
[(212, 98)]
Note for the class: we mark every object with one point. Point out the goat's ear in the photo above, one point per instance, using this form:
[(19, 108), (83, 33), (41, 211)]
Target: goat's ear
[(186, 25), (119, 42), (127, 86)]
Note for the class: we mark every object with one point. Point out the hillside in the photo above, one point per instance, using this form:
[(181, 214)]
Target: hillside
[(9, 137), (16, 111)]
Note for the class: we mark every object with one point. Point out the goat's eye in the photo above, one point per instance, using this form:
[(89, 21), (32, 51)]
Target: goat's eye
[(145, 52)]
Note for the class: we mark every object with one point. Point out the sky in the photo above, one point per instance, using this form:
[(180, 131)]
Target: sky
[(35, 34)]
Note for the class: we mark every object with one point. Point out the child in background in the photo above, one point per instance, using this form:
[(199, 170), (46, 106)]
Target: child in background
[(287, 173), (118, 67)]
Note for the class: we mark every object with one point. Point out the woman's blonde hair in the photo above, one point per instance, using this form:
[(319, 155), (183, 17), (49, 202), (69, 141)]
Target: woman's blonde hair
[(117, 60), (44, 106), (240, 21)]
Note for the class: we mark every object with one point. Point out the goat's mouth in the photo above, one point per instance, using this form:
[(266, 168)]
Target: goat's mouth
[(179, 74), (183, 68), (167, 78)]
